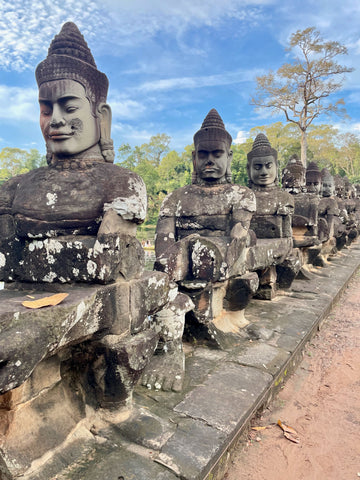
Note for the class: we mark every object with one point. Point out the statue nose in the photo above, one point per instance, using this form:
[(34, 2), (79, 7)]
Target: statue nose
[(57, 119), (57, 122)]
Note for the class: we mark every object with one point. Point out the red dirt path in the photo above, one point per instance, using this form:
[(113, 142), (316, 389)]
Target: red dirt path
[(321, 401)]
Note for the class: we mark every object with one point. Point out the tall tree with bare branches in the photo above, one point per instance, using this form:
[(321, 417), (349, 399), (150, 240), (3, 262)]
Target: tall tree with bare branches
[(300, 89)]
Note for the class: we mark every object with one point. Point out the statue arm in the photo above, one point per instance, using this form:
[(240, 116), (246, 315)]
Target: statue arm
[(7, 194), (242, 214), (165, 235), (241, 224), (126, 207)]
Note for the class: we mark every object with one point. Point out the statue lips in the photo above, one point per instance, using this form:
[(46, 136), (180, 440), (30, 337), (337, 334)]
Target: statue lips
[(263, 178), (58, 135)]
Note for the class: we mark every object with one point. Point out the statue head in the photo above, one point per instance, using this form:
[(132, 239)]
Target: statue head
[(349, 188), (262, 164), (74, 117), (212, 155), (293, 175), (339, 186), (327, 183), (313, 178)]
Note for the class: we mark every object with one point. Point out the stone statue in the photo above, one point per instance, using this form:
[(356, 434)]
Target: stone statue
[(341, 239), (350, 204), (70, 228), (293, 176), (272, 221), (328, 208), (202, 237), (81, 196), (305, 218)]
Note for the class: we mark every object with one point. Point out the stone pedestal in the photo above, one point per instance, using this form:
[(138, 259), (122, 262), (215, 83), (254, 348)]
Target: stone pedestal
[(60, 364)]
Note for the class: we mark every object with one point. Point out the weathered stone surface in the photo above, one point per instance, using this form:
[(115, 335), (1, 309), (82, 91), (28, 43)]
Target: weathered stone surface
[(268, 252), (227, 395), (27, 336), (192, 447), (119, 365), (117, 463), (145, 428), (37, 427), (148, 294), (73, 259), (263, 356)]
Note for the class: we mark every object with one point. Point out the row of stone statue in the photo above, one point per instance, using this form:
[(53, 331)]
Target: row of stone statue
[(217, 244)]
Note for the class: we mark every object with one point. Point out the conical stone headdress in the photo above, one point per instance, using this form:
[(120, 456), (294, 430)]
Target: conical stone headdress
[(261, 148), (326, 175), (293, 171), (213, 129), (69, 57), (313, 173)]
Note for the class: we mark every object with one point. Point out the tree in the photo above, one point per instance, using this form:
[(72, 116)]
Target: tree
[(162, 170), (14, 161), (300, 89)]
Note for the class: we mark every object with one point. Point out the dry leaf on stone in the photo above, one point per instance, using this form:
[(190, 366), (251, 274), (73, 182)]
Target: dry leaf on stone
[(259, 428), (46, 301), (289, 432)]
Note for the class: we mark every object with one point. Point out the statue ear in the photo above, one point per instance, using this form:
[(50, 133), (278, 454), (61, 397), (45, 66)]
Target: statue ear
[(106, 144), (194, 175), (104, 113), (228, 168)]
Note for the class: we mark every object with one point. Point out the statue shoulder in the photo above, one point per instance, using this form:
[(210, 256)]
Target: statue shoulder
[(243, 198), (7, 193), (125, 192), (174, 199)]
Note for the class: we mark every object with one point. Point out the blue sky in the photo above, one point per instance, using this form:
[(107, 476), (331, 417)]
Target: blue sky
[(169, 61)]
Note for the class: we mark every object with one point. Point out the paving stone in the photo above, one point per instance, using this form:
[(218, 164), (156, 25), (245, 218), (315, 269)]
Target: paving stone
[(226, 397), (192, 447), (263, 356)]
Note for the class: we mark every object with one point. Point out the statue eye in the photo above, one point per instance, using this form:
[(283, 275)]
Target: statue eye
[(71, 108)]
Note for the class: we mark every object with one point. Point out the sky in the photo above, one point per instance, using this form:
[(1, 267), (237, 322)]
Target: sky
[(169, 61)]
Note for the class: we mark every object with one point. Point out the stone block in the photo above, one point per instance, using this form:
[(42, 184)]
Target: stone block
[(72, 259), (148, 294), (33, 429), (226, 397)]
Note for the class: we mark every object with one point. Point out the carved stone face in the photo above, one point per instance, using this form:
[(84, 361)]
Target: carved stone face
[(211, 160), (66, 119), (293, 181), (263, 170), (328, 187), (313, 187)]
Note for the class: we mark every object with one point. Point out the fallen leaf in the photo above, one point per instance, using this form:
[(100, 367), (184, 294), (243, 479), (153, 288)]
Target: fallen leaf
[(30, 296), (289, 432), (46, 301), (258, 428)]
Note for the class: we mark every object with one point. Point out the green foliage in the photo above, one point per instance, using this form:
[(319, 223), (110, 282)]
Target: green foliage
[(161, 169), (14, 161), (238, 165)]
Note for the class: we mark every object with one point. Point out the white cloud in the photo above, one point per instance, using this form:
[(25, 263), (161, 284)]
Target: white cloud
[(227, 78), (18, 104), (241, 137), (28, 26), (123, 107)]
